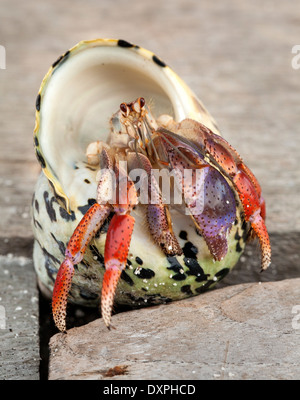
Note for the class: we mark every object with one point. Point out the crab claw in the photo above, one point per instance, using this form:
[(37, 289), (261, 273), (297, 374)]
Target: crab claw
[(202, 144), (115, 258)]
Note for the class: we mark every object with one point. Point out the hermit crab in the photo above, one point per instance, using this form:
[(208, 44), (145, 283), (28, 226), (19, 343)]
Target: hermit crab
[(140, 200)]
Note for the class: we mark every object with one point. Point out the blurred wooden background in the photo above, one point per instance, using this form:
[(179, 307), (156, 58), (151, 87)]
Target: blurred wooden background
[(235, 55)]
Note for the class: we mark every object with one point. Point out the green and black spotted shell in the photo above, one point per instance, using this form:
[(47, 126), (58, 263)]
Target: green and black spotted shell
[(76, 100)]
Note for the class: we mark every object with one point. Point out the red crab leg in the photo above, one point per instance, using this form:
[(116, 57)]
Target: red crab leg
[(254, 210), (86, 229), (115, 258)]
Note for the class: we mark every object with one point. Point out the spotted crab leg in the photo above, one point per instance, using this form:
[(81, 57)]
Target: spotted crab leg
[(118, 239), (115, 257), (86, 229)]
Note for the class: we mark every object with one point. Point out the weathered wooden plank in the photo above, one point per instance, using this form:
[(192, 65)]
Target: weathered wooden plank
[(19, 352), (246, 331)]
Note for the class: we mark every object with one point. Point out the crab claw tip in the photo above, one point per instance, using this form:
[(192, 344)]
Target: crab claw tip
[(60, 293), (110, 281)]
